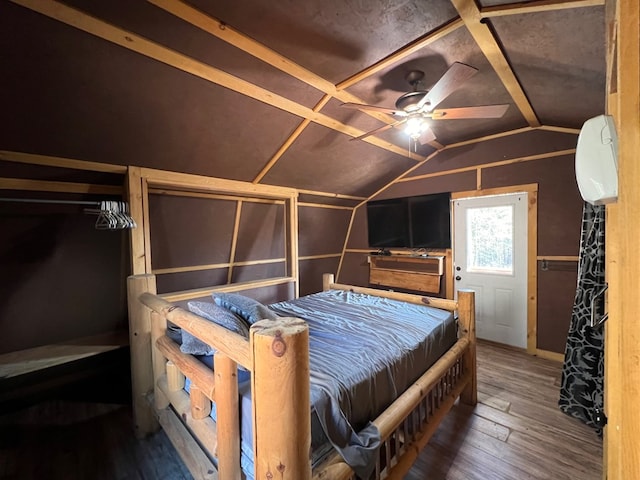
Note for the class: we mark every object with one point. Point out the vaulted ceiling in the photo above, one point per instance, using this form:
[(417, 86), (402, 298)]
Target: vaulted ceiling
[(252, 90)]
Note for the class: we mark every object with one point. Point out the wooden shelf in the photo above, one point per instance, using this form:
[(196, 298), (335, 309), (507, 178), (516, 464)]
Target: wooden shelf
[(22, 362), (409, 272), (98, 366)]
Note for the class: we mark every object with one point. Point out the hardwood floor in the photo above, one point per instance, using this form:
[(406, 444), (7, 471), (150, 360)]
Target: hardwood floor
[(515, 432)]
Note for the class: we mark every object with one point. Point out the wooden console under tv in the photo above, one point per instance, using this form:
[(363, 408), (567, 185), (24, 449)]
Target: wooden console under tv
[(425, 274)]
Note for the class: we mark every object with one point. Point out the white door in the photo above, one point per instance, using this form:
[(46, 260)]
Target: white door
[(490, 257)]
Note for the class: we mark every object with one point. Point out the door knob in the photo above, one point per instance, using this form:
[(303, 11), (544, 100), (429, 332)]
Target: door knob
[(458, 277)]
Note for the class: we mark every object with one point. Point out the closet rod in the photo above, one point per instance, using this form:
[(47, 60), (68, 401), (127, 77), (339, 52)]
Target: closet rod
[(38, 200)]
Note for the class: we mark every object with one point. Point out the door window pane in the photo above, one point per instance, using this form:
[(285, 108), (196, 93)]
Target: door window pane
[(490, 239)]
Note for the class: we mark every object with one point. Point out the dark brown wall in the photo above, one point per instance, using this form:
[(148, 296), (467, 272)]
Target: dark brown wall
[(559, 213), (61, 278), (556, 291), (188, 232), (199, 231), (321, 231), (311, 272), (64, 279), (559, 202)]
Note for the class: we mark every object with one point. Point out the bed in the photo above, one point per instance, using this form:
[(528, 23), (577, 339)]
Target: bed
[(278, 405), (210, 424)]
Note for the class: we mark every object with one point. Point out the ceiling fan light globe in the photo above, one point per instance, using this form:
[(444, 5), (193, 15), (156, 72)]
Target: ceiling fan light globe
[(414, 127)]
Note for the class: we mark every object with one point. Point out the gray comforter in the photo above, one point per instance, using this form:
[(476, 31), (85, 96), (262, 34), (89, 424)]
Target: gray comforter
[(364, 352)]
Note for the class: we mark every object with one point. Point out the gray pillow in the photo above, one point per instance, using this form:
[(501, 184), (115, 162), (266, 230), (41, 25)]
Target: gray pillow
[(249, 309), (218, 315)]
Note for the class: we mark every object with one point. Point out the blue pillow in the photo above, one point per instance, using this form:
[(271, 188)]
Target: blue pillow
[(218, 315), (249, 309)]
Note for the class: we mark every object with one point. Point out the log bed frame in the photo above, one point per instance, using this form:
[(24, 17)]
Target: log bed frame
[(276, 354)]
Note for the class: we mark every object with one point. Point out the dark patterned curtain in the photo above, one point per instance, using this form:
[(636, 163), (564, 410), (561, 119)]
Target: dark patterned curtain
[(581, 394)]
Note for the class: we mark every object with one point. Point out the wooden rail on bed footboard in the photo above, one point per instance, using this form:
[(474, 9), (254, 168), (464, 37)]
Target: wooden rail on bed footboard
[(411, 420)]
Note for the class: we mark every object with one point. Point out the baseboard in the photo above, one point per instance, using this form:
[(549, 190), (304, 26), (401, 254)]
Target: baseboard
[(546, 354)]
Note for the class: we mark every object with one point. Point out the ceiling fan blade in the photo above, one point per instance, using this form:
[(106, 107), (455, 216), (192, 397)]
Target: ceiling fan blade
[(378, 130), (452, 79), (485, 111), (426, 136), (400, 113)]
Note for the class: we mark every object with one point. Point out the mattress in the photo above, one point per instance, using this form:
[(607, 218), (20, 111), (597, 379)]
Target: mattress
[(364, 351)]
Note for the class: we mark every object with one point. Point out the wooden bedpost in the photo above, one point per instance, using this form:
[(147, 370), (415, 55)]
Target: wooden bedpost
[(144, 418), (227, 404), (280, 397), (327, 279), (158, 329), (467, 319)]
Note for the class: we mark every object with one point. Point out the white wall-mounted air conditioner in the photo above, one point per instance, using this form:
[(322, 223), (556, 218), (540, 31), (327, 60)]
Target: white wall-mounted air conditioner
[(597, 160)]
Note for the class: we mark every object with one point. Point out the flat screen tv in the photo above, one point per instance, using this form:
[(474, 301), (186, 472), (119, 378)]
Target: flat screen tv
[(422, 221)]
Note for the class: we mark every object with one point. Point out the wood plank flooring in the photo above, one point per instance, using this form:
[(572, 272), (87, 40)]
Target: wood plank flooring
[(515, 432)]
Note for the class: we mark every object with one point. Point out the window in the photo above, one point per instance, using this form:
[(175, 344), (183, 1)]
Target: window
[(490, 237)]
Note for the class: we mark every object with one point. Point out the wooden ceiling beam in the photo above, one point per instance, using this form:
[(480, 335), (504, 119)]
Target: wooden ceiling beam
[(482, 34), (226, 33), (289, 141), (402, 53), (537, 6), (143, 46)]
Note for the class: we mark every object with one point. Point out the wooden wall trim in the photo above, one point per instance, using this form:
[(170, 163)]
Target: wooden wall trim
[(622, 330), (214, 196), (136, 209), (291, 234), (331, 195), (397, 179), (50, 161), (61, 187), (501, 163), (485, 138), (197, 183), (234, 240), (214, 266), (323, 205), (536, 6), (319, 257), (551, 128), (211, 187), (525, 187), (146, 230)]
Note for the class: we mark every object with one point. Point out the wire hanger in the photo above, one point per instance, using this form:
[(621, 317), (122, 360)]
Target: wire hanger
[(112, 215)]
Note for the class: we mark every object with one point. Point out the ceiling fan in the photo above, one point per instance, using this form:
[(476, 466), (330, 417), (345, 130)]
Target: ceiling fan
[(416, 107)]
